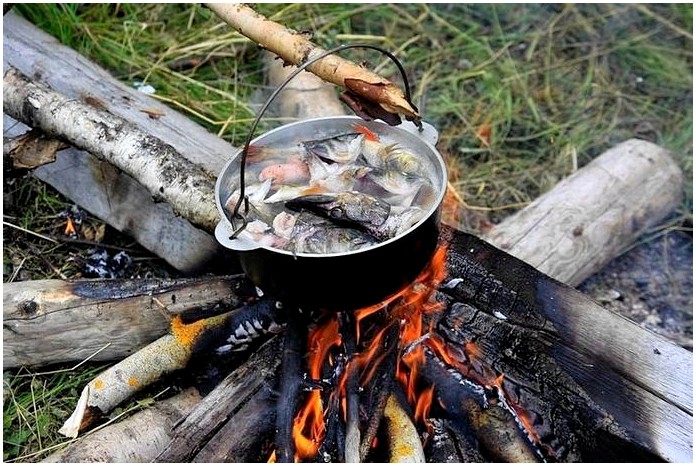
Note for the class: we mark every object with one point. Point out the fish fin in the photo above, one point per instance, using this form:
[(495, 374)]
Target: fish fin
[(391, 149), (369, 134)]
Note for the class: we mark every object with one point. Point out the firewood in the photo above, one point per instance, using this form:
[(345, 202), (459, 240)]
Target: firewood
[(592, 216), (294, 344), (559, 351), (155, 164), (403, 440), (229, 404), (75, 319), (119, 382), (136, 439), (172, 352), (97, 186), (306, 96), (296, 49)]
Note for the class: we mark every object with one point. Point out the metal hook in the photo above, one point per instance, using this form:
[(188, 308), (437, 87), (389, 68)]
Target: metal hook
[(300, 68)]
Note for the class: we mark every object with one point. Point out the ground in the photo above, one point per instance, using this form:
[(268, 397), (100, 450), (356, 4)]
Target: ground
[(523, 95)]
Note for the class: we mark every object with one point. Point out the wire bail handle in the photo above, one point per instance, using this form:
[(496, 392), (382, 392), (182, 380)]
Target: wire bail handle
[(243, 198)]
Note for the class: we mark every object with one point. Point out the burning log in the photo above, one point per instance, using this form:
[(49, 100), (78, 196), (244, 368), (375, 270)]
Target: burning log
[(169, 353), (291, 381), (122, 314), (403, 439), (97, 186), (236, 416), (572, 365)]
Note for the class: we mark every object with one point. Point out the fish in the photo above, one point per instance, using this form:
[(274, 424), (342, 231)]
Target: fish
[(295, 170), (401, 187), (387, 157), (262, 234), (354, 208), (342, 178), (401, 160), (284, 224), (344, 148), (361, 212), (314, 235), (256, 193)]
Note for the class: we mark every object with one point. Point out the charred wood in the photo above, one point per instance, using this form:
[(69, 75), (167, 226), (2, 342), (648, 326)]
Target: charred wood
[(586, 378), (451, 442), (352, 444), (294, 344), (224, 406), (75, 319), (382, 388)]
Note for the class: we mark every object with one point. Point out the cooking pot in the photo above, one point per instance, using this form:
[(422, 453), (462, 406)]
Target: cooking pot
[(338, 281), (341, 280)]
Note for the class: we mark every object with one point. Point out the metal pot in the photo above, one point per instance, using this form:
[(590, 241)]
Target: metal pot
[(342, 280)]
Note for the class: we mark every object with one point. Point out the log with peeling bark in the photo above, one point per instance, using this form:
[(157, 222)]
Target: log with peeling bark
[(136, 439), (97, 186), (158, 166), (296, 49), (112, 318)]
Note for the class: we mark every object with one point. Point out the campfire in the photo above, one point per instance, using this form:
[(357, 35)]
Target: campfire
[(365, 367)]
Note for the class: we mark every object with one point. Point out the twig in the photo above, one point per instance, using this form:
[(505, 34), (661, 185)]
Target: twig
[(12, 225), (58, 371), (352, 446)]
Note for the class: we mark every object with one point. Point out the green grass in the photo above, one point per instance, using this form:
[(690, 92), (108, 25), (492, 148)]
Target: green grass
[(556, 85)]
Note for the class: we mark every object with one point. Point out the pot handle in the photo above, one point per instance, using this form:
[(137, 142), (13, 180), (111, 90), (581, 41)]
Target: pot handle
[(426, 132), (238, 216), (223, 233)]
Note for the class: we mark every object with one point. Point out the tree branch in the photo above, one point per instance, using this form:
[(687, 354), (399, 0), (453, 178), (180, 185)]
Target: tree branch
[(156, 165), (295, 49)]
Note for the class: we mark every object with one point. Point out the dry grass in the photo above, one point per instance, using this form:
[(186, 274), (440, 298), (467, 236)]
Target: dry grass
[(523, 95)]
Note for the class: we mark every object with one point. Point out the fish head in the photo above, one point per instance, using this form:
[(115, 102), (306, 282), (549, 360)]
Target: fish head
[(349, 207)]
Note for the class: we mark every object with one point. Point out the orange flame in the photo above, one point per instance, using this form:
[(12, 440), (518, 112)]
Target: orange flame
[(308, 428), (408, 306), (70, 228)]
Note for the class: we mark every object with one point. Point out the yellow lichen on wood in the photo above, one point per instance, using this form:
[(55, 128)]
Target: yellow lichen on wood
[(402, 436), (186, 334)]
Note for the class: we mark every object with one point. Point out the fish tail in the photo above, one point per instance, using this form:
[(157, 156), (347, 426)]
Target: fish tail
[(369, 134)]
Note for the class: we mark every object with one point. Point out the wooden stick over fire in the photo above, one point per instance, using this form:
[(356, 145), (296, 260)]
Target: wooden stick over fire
[(294, 48)]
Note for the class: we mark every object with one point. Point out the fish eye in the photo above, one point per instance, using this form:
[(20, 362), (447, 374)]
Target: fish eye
[(336, 212)]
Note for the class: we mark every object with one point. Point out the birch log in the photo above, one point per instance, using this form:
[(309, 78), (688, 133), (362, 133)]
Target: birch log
[(295, 49), (154, 163), (591, 217), (136, 439), (97, 186)]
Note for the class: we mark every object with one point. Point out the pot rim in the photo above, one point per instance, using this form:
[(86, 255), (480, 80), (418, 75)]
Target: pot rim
[(226, 228)]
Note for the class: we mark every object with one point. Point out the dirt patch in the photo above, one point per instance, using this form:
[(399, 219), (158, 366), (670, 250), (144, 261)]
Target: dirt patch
[(652, 284)]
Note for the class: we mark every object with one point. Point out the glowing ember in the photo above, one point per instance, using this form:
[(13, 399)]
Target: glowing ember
[(70, 228)]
